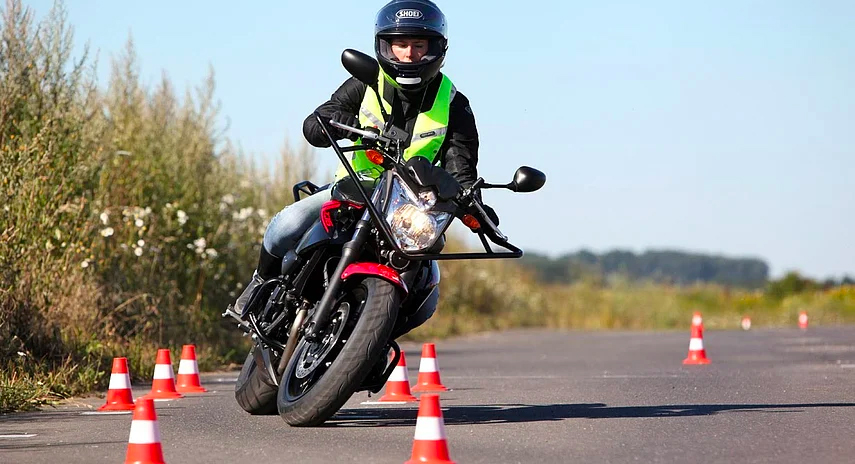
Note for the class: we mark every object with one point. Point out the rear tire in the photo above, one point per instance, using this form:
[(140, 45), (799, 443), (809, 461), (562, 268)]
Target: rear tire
[(254, 391), (355, 359)]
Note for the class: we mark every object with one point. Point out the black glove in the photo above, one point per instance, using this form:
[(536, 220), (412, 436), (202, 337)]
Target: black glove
[(491, 214), (348, 120)]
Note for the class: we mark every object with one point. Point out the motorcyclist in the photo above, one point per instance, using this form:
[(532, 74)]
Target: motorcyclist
[(410, 46)]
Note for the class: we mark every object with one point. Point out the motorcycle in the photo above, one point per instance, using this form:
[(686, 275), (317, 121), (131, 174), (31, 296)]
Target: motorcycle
[(360, 276)]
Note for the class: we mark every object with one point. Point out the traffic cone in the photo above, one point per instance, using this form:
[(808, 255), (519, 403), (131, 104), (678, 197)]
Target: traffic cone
[(119, 396), (746, 323), (429, 443), (163, 385), (429, 371), (697, 354), (803, 320), (188, 372), (398, 385), (144, 440)]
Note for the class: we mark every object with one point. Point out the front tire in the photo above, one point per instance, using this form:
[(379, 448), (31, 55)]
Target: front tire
[(375, 304), (255, 392)]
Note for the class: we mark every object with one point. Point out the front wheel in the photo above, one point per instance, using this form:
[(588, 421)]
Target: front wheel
[(321, 376)]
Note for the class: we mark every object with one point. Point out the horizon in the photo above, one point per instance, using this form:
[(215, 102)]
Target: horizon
[(722, 130)]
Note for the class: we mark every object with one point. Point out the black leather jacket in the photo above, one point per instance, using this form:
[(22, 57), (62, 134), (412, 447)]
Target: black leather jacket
[(458, 154)]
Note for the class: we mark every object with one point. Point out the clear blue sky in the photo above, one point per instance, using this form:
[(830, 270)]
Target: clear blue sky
[(723, 127)]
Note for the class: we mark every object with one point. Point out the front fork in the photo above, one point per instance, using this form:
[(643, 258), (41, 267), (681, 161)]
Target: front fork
[(350, 253)]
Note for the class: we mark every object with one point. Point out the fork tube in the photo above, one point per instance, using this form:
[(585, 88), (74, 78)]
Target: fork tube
[(349, 254)]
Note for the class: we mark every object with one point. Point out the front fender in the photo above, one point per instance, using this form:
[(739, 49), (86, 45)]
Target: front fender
[(377, 270)]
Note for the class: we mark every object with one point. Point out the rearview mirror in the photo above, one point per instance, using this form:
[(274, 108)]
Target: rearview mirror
[(527, 179), (361, 66)]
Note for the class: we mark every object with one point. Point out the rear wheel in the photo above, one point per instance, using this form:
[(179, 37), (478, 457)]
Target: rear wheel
[(322, 376), (255, 392)]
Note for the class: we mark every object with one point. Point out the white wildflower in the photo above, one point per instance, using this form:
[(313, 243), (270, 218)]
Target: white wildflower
[(6, 208), (58, 234), (48, 245), (147, 210), (228, 199), (127, 213), (262, 213), (108, 232), (138, 251), (169, 206), (84, 264), (211, 253), (232, 294), (124, 246), (22, 354), (243, 214), (245, 184), (139, 223), (200, 244), (105, 218), (140, 243), (182, 217)]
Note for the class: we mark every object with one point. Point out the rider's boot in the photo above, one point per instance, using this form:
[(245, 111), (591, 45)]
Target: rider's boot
[(269, 267)]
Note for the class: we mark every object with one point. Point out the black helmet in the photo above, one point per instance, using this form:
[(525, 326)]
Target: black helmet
[(410, 18)]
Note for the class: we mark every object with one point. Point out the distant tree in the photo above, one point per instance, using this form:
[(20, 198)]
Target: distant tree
[(792, 283)]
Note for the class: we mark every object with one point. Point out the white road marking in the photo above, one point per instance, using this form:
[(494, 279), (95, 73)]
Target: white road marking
[(848, 366), (105, 413), (651, 376), (26, 435), (390, 402)]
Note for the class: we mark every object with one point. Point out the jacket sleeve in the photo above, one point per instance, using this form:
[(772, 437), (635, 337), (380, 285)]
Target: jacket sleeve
[(347, 99), (460, 149)]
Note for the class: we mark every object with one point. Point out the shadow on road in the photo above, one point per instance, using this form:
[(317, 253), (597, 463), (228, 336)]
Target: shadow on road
[(509, 413)]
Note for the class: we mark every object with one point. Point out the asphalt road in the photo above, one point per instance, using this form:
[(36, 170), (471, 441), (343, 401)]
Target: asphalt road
[(782, 396)]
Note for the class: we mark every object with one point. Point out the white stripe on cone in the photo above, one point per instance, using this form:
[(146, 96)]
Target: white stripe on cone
[(144, 432), (188, 367), (430, 428), (428, 365), (120, 381), (696, 344), (697, 320), (163, 371), (399, 374)]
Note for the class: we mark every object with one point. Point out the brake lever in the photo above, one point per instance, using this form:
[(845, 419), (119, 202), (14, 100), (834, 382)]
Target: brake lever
[(364, 133)]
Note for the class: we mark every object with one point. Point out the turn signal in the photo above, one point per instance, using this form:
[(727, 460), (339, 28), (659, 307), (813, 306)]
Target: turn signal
[(374, 156), (472, 223)]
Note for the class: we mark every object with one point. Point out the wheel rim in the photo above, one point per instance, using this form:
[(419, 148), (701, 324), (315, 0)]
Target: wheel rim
[(311, 360)]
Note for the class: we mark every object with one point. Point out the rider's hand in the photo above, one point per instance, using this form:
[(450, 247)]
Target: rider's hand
[(348, 120), (491, 214)]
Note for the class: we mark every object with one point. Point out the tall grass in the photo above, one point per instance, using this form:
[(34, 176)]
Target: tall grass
[(128, 220)]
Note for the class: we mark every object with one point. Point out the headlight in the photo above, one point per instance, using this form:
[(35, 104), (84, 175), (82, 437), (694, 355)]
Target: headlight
[(414, 226)]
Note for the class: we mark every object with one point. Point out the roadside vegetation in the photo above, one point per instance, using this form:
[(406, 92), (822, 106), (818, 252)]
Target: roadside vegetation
[(128, 221)]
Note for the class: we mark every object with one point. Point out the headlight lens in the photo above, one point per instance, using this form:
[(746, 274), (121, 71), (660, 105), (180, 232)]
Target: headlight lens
[(413, 225)]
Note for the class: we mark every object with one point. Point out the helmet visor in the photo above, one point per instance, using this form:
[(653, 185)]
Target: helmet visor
[(401, 49)]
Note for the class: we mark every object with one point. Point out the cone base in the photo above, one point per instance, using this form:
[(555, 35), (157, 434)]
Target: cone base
[(163, 396), (397, 398), (117, 407), (430, 388), (429, 461), (693, 359), (151, 453), (191, 389)]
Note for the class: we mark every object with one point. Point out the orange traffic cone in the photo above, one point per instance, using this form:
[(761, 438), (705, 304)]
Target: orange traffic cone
[(119, 396), (188, 372), (746, 323), (429, 371), (163, 385), (803, 320), (429, 443), (398, 385), (697, 354), (144, 440)]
